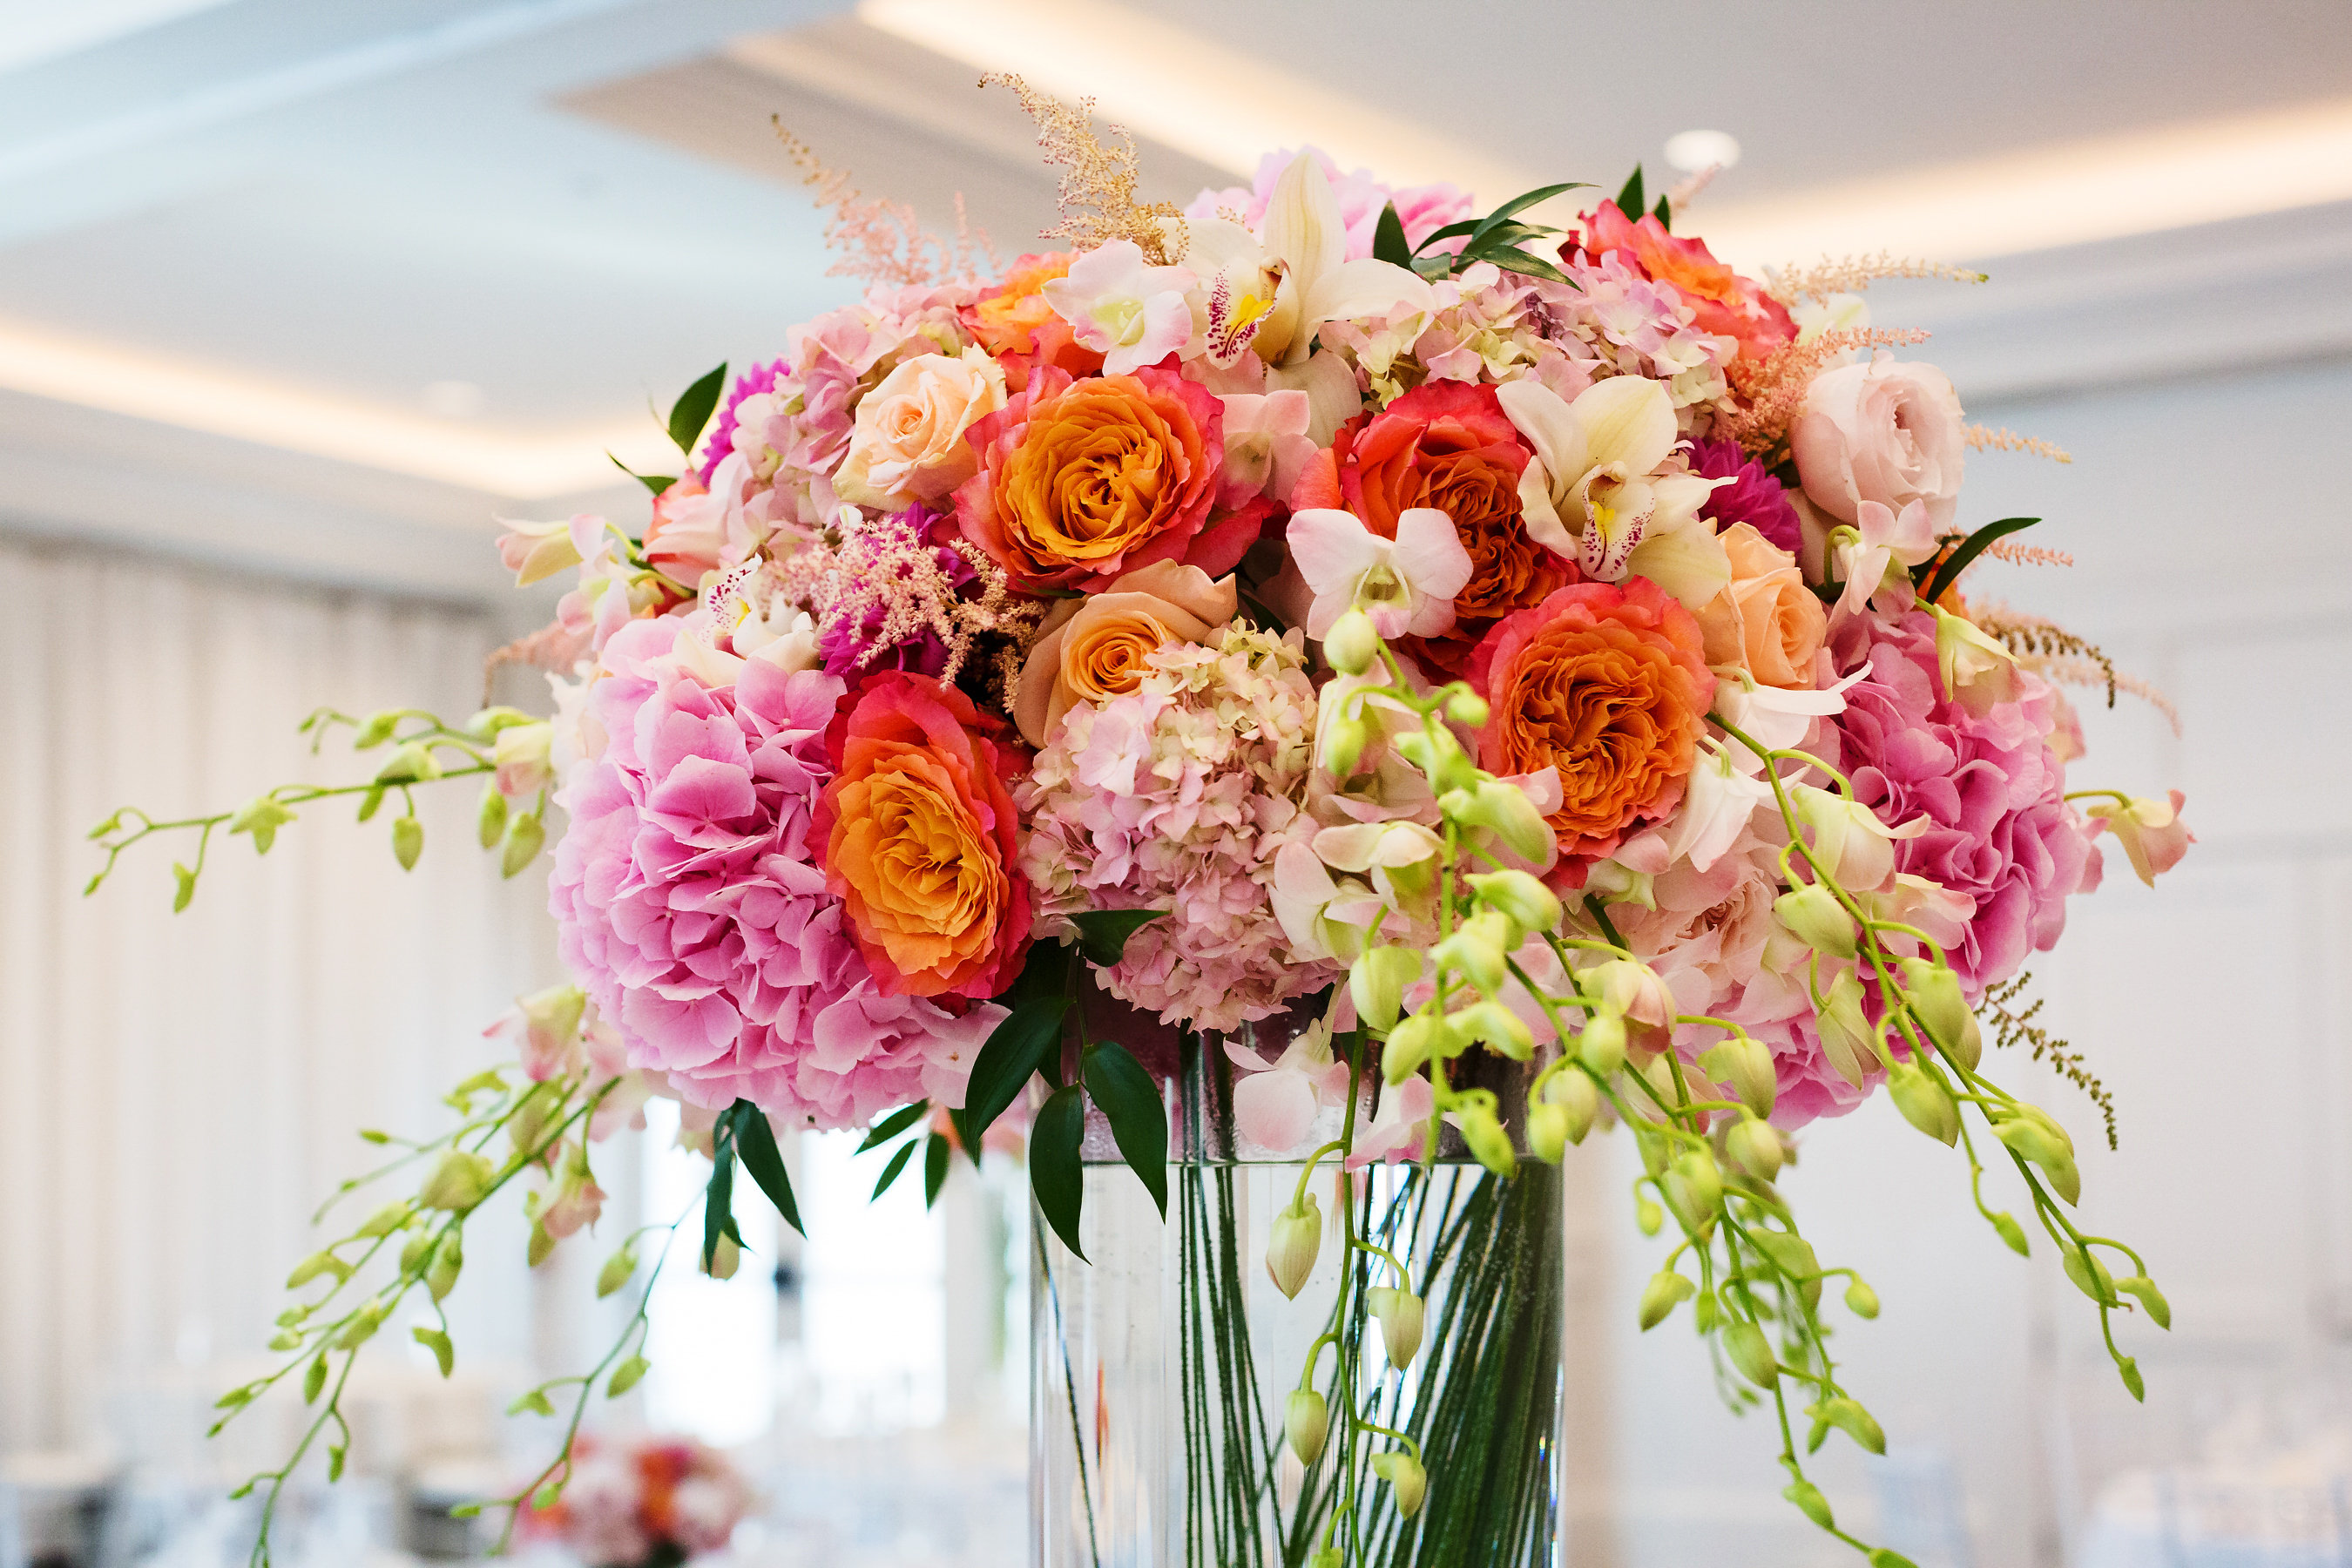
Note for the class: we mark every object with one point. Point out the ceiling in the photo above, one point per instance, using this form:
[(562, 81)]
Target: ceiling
[(322, 288)]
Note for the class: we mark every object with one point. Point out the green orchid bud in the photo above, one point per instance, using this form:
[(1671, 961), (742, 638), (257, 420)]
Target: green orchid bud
[(1547, 1132), (1530, 905), (1925, 1103), (1409, 1044), (413, 1254), (1745, 1063), (1849, 1417), (409, 763), (1437, 753), (448, 1261), (1602, 1044), (525, 835), (1811, 1503), (2090, 1276), (1706, 1311), (261, 816), (2134, 1384), (1756, 1148), (1343, 743), (1292, 1243), (458, 1181), (2143, 1289), (1406, 1477), (407, 841), (1575, 1094), (2031, 1139), (1498, 1028), (1694, 1190), (1306, 1421), (1660, 1296), (726, 1257), (1934, 994), (1352, 643), (1649, 1216), (318, 1263), (1467, 708), (1813, 914), (1504, 810), (1400, 1315), (618, 1270), (2011, 1234), (1488, 1143), (1861, 1299), (1474, 952), (1751, 1352), (491, 818), (1376, 982), (388, 1219), (540, 1245)]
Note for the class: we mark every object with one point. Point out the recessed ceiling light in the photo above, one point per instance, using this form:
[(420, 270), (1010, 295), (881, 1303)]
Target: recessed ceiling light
[(1690, 151), (454, 399)]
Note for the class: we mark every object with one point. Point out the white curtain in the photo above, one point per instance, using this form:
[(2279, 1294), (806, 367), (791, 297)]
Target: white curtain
[(178, 1093)]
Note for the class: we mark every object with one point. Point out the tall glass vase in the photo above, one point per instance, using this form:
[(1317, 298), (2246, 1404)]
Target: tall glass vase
[(1162, 1364)]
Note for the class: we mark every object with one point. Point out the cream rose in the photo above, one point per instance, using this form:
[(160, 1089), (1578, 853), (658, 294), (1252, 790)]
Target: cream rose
[(1095, 648), (1766, 620), (1888, 431), (908, 443)]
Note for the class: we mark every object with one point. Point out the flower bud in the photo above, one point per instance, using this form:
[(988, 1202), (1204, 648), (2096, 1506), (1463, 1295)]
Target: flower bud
[(1296, 1238), (1306, 1421), (1400, 1315), (1437, 753), (618, 1270), (1467, 708), (1351, 645), (525, 835), (448, 1260), (1849, 1417), (407, 841), (1376, 981), (1659, 1296), (1861, 1299), (1505, 810), (1925, 1103), (409, 763), (1630, 988), (1811, 1503), (388, 1219), (2143, 1289), (1343, 743), (1694, 1190), (2031, 1139), (1573, 1094), (1817, 919), (412, 1253), (318, 1263), (1488, 1143), (1547, 1132), (1751, 1352), (1746, 1064), (1650, 1217), (1934, 994), (540, 1246), (522, 753), (1495, 1026), (1405, 1478), (1529, 905), (458, 1182), (1601, 1044), (491, 819), (726, 1256), (1756, 1148), (1474, 951), (1409, 1045)]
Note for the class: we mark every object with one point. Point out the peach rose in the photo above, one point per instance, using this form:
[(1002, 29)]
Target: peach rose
[(919, 838), (908, 443), (1016, 324), (1608, 683), (1094, 648), (1766, 620), (1081, 481), (1721, 300), (1890, 431)]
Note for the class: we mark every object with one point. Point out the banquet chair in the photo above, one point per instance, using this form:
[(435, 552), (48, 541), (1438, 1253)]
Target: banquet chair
[(1920, 1511), (2213, 1523)]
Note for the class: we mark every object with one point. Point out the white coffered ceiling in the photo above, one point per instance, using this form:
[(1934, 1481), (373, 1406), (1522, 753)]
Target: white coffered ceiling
[(248, 246)]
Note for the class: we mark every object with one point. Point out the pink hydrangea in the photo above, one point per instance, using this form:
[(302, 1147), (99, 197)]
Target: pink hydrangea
[(2000, 832), (1177, 796), (1423, 209), (691, 908)]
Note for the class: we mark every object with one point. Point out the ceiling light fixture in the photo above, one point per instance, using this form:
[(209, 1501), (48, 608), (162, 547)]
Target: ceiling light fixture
[(1690, 151)]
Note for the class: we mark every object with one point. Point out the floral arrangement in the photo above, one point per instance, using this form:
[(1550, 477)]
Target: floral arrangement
[(1470, 634), (655, 1502)]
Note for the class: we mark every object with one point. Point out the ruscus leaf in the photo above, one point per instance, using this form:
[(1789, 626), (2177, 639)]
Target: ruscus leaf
[(1056, 1173), (1129, 1096), (1630, 200), (1103, 933), (1389, 243), (692, 410), (1013, 1054), (890, 1126), (756, 1142), (935, 1168), (898, 1163), (1962, 558)]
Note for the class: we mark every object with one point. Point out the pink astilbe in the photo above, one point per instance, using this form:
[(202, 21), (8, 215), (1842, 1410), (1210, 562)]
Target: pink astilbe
[(690, 907), (1177, 796)]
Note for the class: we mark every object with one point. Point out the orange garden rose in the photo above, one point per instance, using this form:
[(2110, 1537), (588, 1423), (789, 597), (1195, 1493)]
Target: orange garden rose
[(1766, 620), (1608, 683), (1097, 648), (1018, 326), (1725, 302), (1081, 481), (919, 838)]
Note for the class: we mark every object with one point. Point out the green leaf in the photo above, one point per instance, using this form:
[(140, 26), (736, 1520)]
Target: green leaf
[(691, 412), (626, 1376), (890, 1126), (898, 1163), (1664, 213), (1523, 201), (1103, 933), (756, 1142), (654, 482), (1467, 226), (1522, 262), (1629, 200), (438, 1343), (1965, 556), (1056, 1173), (407, 841), (936, 1150), (1389, 243), (718, 1198), (186, 890), (1139, 1118), (1013, 1053)]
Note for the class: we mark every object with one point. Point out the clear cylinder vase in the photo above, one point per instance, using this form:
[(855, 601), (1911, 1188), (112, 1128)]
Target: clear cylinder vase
[(1162, 1364)]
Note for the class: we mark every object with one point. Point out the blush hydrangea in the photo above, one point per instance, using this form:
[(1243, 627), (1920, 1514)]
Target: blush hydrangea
[(691, 908), (1177, 796)]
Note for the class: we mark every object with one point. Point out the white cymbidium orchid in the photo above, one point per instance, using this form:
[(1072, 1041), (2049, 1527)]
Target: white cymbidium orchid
[(1594, 493), (1406, 585), (1875, 555), (1131, 315), (1271, 292)]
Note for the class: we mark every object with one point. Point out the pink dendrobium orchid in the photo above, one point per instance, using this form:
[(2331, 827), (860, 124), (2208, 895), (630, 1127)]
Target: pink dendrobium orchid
[(1406, 583), (1887, 539), (2152, 834), (1266, 444), (1397, 1133), (1718, 799), (1131, 315), (1275, 1105)]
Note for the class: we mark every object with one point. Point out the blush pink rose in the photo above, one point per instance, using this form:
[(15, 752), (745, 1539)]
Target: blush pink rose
[(1888, 431)]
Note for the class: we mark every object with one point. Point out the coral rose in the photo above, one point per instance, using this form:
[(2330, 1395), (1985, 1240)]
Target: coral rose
[(1722, 301), (1098, 648), (1018, 325), (1889, 431), (1608, 683), (1766, 620), (1447, 445), (908, 443), (1081, 481), (920, 839)]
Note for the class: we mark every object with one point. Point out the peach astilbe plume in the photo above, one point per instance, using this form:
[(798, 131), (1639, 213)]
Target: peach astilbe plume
[(1098, 190), (1984, 438), (2057, 655), (1772, 390), (883, 241), (1852, 274)]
